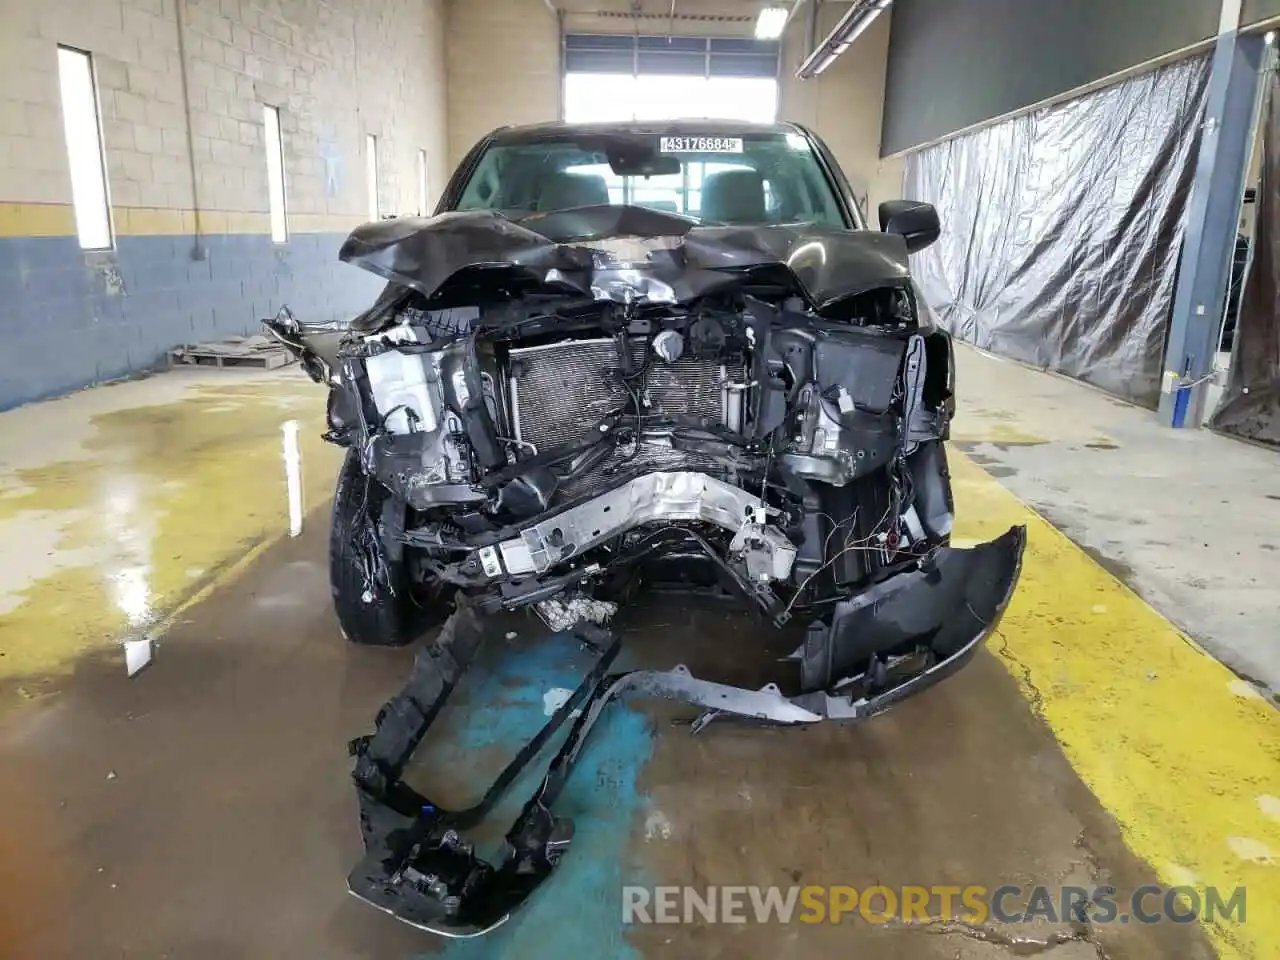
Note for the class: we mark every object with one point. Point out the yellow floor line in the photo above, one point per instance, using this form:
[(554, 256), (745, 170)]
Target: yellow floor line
[(1184, 755)]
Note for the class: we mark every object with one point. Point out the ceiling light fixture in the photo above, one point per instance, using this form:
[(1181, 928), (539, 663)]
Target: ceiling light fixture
[(771, 22), (851, 26)]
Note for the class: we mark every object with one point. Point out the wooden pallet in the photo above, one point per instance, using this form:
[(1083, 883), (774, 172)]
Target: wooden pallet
[(256, 352)]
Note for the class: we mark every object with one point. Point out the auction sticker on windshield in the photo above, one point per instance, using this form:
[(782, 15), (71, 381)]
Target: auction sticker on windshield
[(700, 145)]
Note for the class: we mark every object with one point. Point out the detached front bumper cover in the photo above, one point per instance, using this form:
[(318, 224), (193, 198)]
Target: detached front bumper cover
[(892, 641)]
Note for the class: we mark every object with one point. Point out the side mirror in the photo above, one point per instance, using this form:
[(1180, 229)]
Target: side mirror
[(917, 223)]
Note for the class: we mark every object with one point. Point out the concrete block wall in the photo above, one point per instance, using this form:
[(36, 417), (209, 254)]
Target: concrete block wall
[(504, 68), (181, 101)]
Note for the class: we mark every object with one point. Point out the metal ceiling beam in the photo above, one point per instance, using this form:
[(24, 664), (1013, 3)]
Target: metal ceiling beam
[(850, 27)]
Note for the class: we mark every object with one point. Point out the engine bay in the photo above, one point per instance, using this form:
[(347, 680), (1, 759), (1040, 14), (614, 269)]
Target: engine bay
[(539, 447)]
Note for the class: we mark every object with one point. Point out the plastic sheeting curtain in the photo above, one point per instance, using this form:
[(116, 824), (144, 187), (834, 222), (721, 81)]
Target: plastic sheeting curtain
[(1062, 229), (1251, 405)]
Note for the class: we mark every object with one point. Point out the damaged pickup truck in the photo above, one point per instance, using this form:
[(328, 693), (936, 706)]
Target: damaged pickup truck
[(622, 356)]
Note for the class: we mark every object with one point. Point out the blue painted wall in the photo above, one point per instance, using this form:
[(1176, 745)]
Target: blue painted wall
[(71, 318)]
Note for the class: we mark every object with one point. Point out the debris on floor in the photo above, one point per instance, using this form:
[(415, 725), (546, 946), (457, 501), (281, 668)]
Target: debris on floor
[(137, 655), (255, 351), (564, 611), (554, 699)]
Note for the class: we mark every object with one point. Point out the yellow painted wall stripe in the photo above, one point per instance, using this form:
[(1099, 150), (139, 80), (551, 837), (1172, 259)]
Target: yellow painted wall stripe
[(36, 220), (58, 220), (1182, 753)]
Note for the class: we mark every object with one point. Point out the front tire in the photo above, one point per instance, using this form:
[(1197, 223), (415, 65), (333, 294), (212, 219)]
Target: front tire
[(378, 610)]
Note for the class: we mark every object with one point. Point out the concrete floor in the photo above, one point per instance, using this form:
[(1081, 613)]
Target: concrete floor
[(203, 808), (1189, 519)]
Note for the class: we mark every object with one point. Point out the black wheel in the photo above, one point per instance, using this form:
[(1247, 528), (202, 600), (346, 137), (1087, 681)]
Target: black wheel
[(375, 601)]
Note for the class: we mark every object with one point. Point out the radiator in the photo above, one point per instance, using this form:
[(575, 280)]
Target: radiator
[(558, 391)]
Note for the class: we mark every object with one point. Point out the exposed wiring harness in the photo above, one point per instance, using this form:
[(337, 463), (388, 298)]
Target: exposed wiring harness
[(901, 490), (370, 553), (850, 545)]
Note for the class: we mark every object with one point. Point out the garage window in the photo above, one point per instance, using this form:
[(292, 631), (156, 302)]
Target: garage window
[(83, 133), (664, 78)]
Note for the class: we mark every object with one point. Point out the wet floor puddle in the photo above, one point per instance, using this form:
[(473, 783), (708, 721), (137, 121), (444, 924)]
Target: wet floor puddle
[(100, 548)]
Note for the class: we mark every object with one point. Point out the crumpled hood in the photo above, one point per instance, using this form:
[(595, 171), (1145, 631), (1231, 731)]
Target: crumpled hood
[(625, 253)]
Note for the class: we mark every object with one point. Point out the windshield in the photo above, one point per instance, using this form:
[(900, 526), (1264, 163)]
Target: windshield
[(758, 178)]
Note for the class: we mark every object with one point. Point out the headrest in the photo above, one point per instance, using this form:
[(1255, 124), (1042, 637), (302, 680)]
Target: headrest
[(560, 191), (733, 196)]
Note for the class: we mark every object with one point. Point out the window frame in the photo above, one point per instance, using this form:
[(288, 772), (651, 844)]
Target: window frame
[(423, 209), (277, 193), (78, 202), (371, 176)]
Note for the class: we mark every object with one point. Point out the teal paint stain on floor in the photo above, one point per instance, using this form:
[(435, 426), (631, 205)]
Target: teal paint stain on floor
[(577, 913)]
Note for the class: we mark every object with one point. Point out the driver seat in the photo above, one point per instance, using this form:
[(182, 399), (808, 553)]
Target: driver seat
[(734, 196), (560, 191)]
